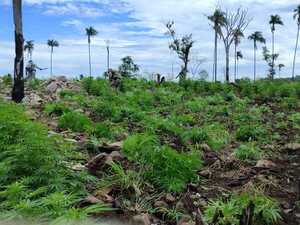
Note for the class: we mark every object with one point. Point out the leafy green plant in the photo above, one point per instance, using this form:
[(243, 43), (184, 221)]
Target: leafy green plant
[(248, 152), (162, 165), (251, 132), (75, 121), (266, 209), (195, 136), (101, 130), (56, 109)]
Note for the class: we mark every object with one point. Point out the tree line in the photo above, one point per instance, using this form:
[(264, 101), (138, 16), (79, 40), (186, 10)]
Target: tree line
[(228, 27)]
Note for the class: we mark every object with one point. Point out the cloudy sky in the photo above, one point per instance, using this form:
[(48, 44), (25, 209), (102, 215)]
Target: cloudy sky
[(136, 28)]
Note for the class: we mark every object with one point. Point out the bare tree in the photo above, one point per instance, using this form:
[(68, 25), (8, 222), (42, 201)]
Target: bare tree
[(195, 65), (182, 46), (18, 87), (233, 21)]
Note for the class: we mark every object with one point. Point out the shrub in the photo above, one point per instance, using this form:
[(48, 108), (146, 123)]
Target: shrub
[(7, 79), (218, 136), (251, 132), (34, 84), (102, 110), (102, 130), (74, 121), (266, 210), (162, 165), (194, 136), (248, 152), (56, 109)]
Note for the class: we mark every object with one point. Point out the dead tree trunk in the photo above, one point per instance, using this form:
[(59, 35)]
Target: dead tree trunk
[(18, 87)]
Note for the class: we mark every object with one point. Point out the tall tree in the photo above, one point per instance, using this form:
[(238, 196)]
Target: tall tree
[(128, 68), (238, 34), (233, 21), (239, 56), (29, 47), (297, 18), (182, 47), (52, 44), (256, 37), (90, 32), (274, 20), (18, 87), (217, 20)]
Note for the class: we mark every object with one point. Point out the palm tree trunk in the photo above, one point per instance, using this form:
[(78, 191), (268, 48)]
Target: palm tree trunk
[(227, 64), (273, 52), (108, 58), (90, 63), (51, 61), (18, 87), (235, 47), (237, 69), (295, 54), (216, 57), (254, 59)]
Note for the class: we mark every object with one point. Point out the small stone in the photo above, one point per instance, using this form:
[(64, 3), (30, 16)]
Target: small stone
[(116, 156), (78, 167), (265, 164), (292, 147), (160, 204), (185, 220), (180, 206), (206, 174), (170, 198), (142, 219)]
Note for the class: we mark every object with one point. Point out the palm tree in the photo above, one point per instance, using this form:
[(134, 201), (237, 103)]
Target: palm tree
[(238, 34), (90, 31), (256, 37), (238, 56), (296, 17), (52, 44), (18, 87), (218, 20), (274, 20), (280, 66), (29, 47)]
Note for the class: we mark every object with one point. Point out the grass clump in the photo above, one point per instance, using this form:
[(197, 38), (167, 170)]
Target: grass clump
[(266, 209), (56, 109), (248, 152), (162, 165), (74, 121)]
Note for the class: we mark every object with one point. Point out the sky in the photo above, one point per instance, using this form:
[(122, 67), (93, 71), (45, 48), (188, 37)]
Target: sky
[(137, 28)]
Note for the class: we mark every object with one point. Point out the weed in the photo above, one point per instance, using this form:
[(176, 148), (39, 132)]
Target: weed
[(75, 121), (248, 152)]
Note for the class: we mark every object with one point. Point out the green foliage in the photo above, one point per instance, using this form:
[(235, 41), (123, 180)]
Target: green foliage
[(162, 165), (266, 210), (122, 179), (7, 80), (128, 68), (34, 84), (195, 136), (251, 132), (75, 121), (35, 182), (56, 109), (248, 152), (101, 130)]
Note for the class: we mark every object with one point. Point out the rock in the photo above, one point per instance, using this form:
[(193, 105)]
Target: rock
[(170, 198), (267, 164), (104, 195), (185, 220), (160, 204), (99, 162), (92, 200), (205, 173), (142, 219), (116, 156), (292, 147), (205, 147), (61, 78), (108, 148), (180, 206), (78, 167), (32, 100), (53, 87)]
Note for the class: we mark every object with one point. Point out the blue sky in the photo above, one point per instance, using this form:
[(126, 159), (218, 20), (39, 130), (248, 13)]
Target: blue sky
[(136, 28)]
